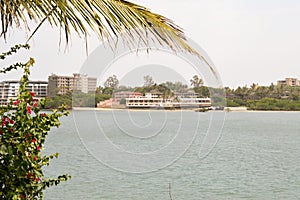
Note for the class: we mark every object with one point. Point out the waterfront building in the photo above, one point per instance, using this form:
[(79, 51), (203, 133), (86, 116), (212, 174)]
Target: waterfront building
[(125, 94), (92, 84), (189, 94), (84, 83), (155, 101), (147, 101), (117, 97), (60, 85), (9, 90), (289, 81), (193, 102)]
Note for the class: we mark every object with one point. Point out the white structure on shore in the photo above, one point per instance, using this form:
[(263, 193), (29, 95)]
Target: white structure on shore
[(147, 101), (9, 90), (154, 101)]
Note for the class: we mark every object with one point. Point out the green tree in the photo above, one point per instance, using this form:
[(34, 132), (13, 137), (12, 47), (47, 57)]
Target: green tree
[(112, 82), (198, 87), (148, 81), (166, 92), (177, 87), (196, 81)]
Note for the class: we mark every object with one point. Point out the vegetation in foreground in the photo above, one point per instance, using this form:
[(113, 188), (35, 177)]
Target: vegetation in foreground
[(24, 128), (23, 133)]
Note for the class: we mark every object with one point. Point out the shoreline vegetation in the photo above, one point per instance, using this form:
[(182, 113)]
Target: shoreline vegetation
[(281, 97), (226, 109)]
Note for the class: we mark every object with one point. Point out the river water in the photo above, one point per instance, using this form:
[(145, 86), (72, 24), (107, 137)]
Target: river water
[(145, 155)]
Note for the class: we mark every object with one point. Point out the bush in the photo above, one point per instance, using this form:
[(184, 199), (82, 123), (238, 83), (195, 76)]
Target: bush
[(231, 103), (23, 133)]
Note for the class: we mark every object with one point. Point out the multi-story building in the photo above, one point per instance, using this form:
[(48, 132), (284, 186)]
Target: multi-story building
[(289, 81), (84, 83), (63, 84), (9, 90), (59, 84), (92, 84)]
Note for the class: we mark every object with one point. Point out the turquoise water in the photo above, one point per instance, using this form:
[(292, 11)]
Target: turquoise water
[(257, 155)]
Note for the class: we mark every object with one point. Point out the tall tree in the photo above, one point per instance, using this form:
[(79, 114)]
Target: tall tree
[(148, 81), (177, 87), (196, 81), (112, 82)]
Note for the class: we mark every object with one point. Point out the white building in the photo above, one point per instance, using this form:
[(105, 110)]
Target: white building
[(147, 101), (84, 83), (80, 83), (92, 84), (9, 90), (155, 101)]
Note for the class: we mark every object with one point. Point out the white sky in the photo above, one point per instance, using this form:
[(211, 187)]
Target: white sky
[(249, 41)]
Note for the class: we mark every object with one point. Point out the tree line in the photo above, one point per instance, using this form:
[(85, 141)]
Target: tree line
[(272, 97), (167, 90), (254, 97)]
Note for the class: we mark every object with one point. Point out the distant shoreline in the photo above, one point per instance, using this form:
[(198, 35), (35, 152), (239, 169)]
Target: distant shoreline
[(126, 109), (177, 110)]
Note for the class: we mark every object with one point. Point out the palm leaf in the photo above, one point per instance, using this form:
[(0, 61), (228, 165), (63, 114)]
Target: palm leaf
[(106, 18)]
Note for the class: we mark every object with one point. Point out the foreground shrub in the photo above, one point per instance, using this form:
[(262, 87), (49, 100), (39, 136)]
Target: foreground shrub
[(23, 132)]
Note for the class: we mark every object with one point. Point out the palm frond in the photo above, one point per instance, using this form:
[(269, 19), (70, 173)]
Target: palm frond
[(105, 17)]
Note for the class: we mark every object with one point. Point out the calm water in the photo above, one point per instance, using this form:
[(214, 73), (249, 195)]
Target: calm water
[(256, 157)]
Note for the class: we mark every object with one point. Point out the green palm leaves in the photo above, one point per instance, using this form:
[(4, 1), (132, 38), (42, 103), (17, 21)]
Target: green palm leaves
[(106, 18)]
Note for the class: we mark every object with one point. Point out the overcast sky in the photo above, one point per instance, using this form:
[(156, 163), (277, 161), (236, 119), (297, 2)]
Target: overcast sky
[(249, 41)]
